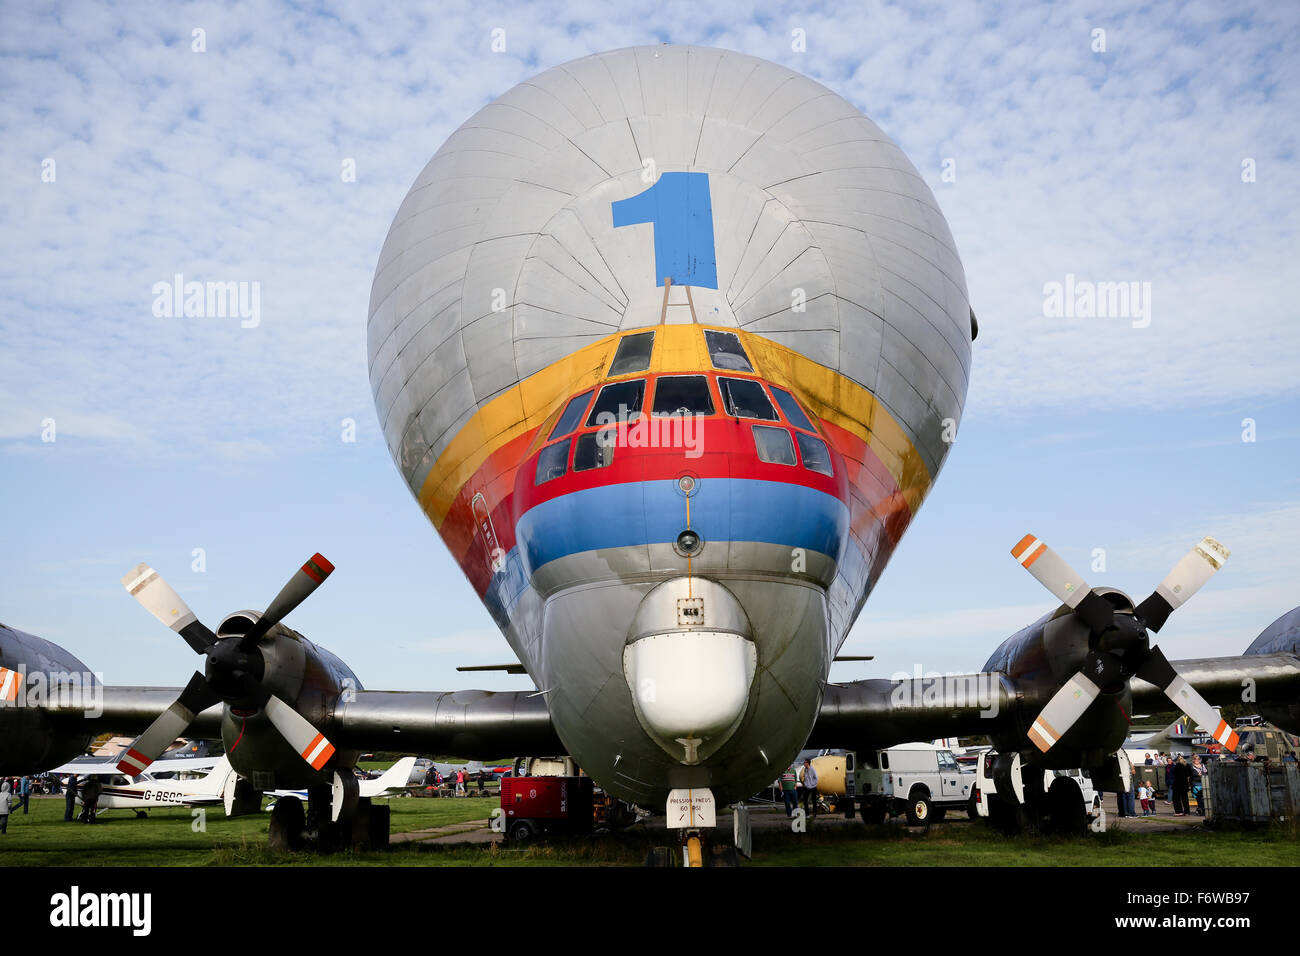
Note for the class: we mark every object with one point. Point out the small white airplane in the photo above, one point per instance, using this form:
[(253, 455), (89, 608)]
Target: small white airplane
[(182, 782)]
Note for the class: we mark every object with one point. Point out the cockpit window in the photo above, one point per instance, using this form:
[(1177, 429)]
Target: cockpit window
[(745, 398), (726, 351), (773, 445), (815, 455), (572, 415), (633, 354), (553, 461), (594, 450), (682, 395), (793, 413), (618, 402)]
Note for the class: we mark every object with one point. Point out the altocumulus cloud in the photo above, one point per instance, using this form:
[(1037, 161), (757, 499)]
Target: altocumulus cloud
[(225, 165)]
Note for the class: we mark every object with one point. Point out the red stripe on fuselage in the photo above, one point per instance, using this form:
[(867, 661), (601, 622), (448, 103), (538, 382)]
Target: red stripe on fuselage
[(879, 512)]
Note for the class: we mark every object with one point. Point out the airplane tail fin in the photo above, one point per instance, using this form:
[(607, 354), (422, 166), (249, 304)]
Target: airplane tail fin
[(394, 778), (214, 783)]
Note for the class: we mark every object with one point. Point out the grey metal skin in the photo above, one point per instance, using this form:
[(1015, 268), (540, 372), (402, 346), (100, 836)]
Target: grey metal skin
[(1280, 637), (32, 738), (808, 194)]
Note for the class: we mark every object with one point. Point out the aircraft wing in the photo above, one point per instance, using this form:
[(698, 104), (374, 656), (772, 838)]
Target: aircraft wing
[(873, 714), (469, 723), (1229, 680)]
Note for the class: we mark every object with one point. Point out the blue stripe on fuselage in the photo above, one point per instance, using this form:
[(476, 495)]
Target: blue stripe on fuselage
[(654, 512)]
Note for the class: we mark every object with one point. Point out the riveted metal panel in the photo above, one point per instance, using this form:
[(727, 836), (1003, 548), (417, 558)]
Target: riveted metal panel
[(505, 244)]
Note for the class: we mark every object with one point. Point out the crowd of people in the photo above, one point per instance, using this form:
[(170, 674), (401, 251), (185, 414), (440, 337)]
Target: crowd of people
[(1180, 780), (457, 784), (16, 794)]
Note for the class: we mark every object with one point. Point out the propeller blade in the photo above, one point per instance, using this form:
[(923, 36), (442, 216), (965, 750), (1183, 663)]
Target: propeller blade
[(148, 587), (1063, 581), (170, 724), (1157, 670), (1066, 706), (302, 736), (1188, 576), (307, 579)]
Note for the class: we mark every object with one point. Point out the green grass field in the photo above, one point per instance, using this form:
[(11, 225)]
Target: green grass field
[(168, 838)]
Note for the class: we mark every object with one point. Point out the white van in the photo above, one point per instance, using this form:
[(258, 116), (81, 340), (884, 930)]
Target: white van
[(920, 780), (1070, 801)]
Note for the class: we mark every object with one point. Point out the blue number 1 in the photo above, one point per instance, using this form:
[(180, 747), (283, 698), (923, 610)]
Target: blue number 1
[(680, 209)]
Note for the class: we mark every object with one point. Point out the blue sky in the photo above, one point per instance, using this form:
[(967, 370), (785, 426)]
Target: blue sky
[(175, 434)]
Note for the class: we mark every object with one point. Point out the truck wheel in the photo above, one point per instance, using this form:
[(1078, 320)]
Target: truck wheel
[(919, 810), (972, 809), (521, 831), (873, 812)]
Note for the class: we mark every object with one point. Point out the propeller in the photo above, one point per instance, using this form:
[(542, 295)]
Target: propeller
[(234, 667), (1120, 646)]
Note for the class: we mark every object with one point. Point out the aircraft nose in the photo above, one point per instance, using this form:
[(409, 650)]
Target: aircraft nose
[(690, 688)]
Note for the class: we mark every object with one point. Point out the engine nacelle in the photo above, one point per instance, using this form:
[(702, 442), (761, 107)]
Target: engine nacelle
[(304, 675), (37, 672), (1039, 659)]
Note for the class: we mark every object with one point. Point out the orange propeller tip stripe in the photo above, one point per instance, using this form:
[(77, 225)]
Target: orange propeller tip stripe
[(1023, 543)]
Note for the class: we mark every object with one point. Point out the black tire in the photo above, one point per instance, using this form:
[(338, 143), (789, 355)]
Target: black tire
[(873, 812), (287, 822), (142, 814), (522, 831), (1066, 810), (972, 808), (1007, 817), (920, 812)]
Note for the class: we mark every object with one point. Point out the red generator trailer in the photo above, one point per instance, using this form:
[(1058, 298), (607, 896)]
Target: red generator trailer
[(547, 805)]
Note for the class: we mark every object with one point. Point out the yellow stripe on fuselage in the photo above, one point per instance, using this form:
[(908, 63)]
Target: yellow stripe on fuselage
[(677, 348)]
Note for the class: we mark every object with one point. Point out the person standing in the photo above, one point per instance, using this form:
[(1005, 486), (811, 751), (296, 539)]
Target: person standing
[(70, 799), (1198, 784), (90, 791), (789, 784), (1182, 780), (25, 791), (809, 788), (6, 804), (479, 781)]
